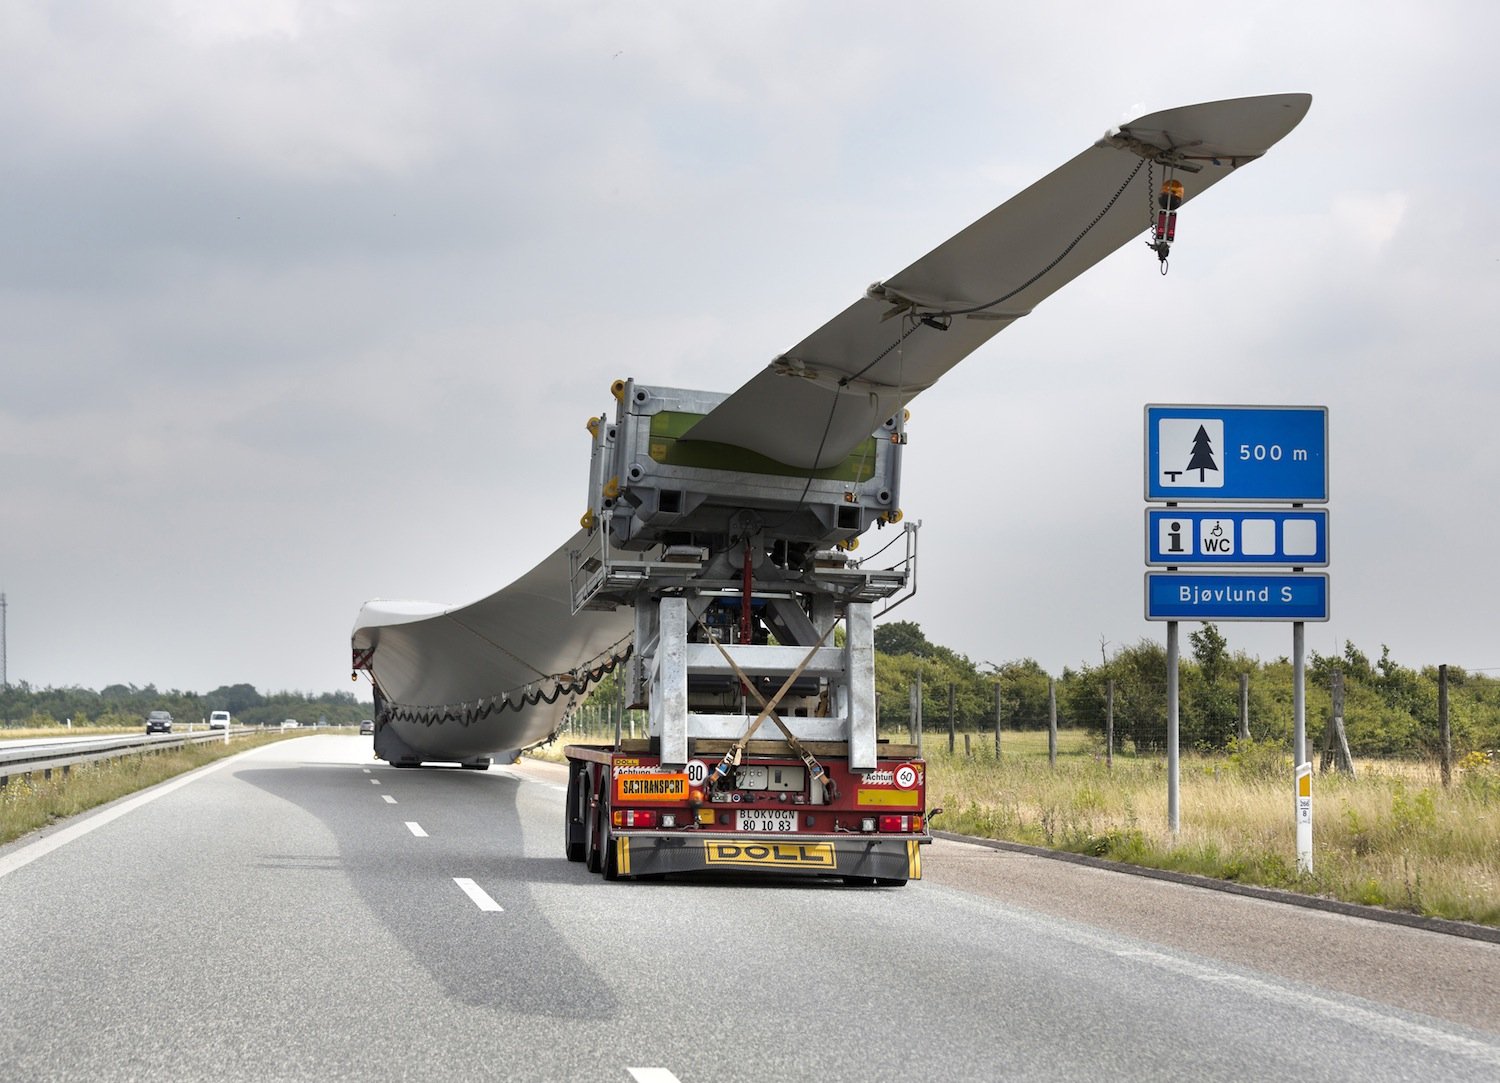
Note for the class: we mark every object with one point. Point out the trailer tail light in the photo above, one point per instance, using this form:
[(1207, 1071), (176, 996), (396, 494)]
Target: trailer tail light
[(705, 816), (669, 819), (867, 824), (901, 823), (634, 817)]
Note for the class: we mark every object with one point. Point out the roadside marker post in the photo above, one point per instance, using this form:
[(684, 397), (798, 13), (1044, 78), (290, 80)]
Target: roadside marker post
[(1304, 818)]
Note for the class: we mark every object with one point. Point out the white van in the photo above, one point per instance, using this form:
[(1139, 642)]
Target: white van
[(218, 720)]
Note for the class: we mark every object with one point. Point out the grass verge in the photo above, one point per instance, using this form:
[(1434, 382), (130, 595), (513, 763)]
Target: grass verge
[(31, 802), (1393, 836)]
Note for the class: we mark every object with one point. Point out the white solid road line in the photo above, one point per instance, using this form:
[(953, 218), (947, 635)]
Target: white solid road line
[(388, 799), (416, 829), (479, 896), (652, 1075)]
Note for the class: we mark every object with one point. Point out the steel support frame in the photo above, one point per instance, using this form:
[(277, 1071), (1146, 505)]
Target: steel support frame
[(668, 660)]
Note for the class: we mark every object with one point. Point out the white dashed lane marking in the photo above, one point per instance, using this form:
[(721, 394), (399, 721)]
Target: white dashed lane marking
[(477, 894)]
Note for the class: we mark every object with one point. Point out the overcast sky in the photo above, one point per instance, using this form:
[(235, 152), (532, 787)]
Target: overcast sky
[(307, 303)]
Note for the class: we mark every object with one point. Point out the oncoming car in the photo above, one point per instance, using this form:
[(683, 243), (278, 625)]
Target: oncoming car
[(218, 720), (367, 727), (159, 722), (289, 724)]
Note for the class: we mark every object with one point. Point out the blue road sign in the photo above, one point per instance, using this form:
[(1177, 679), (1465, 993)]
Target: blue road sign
[(1237, 453), (1243, 537), (1231, 596)]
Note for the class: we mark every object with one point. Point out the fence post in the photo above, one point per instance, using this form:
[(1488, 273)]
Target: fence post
[(1244, 706), (997, 718), (1445, 735), (619, 712), (951, 720), (1335, 743), (1051, 722), (1109, 725)]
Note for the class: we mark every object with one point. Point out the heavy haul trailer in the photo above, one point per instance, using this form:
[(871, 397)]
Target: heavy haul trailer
[(762, 753)]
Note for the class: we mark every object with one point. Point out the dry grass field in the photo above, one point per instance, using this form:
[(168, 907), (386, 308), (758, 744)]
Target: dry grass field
[(1392, 836)]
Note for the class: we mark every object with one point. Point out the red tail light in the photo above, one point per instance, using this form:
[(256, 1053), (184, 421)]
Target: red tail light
[(634, 817), (895, 823)]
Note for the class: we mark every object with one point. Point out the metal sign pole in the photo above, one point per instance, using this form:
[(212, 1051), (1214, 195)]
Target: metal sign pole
[(1173, 820)]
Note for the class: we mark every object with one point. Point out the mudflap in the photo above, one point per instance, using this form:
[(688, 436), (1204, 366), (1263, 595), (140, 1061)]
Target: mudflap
[(881, 859)]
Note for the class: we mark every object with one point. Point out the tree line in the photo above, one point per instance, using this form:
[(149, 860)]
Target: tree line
[(128, 705), (1389, 709)]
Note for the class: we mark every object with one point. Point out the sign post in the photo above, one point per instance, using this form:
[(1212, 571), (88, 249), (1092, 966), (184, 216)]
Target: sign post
[(1174, 781), (1231, 458)]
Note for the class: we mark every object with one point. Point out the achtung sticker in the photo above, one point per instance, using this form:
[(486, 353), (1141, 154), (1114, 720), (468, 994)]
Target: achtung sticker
[(637, 788), (816, 854)]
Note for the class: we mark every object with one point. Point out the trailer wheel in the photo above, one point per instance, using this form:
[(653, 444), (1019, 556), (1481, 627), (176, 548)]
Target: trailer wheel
[(577, 808)]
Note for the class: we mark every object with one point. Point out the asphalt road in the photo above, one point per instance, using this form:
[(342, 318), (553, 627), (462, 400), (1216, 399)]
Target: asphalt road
[(301, 912)]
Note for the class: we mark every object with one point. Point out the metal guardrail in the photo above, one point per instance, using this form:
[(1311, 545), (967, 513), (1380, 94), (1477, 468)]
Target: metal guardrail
[(49, 756)]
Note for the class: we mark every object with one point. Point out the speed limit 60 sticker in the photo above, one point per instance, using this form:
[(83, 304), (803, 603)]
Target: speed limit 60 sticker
[(906, 776)]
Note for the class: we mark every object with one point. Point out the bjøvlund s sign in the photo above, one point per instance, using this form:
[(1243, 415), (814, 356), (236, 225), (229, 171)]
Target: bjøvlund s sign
[(1237, 453), (1236, 596)]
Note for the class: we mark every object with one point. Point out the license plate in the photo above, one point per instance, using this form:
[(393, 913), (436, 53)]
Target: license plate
[(773, 820)]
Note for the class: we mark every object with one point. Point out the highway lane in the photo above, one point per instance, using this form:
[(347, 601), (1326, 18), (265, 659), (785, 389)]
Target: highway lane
[(296, 912)]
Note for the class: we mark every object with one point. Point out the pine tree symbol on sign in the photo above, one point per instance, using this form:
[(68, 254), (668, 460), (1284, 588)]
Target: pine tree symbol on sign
[(1188, 452), (1203, 454)]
